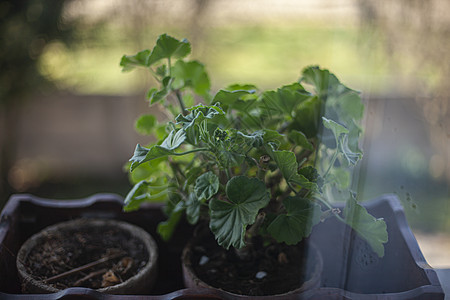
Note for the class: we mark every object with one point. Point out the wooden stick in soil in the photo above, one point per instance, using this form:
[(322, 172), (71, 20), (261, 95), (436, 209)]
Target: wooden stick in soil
[(84, 267), (89, 276)]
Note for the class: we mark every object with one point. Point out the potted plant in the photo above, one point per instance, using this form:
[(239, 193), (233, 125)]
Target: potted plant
[(109, 256), (257, 169)]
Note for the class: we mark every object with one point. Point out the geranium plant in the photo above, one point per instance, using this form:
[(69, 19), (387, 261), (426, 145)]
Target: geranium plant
[(247, 161)]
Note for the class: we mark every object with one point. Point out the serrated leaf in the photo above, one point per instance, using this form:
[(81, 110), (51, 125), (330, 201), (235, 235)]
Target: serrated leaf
[(206, 185), (284, 99), (229, 159), (144, 191), (237, 86), (287, 163), (312, 175), (174, 140), (129, 62), (237, 99), (336, 128), (341, 136), (272, 136), (300, 139), (191, 74), (351, 157), (152, 170), (254, 139), (193, 206), (161, 71), (154, 95), (192, 174), (167, 147), (166, 229), (145, 124), (307, 116), (297, 223), (371, 229), (229, 219), (168, 47), (325, 83), (198, 113), (349, 106)]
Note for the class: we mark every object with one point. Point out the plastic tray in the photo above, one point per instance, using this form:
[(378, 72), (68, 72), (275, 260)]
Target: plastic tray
[(351, 269)]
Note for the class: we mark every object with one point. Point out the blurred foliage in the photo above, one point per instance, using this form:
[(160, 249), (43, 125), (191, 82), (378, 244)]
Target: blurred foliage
[(26, 27), (416, 38), (245, 53)]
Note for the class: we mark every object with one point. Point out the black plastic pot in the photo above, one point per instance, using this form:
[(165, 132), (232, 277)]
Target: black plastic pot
[(350, 269)]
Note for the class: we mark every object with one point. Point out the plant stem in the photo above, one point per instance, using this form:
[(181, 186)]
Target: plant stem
[(328, 205), (169, 65), (180, 101), (333, 160), (291, 187), (253, 230), (191, 151)]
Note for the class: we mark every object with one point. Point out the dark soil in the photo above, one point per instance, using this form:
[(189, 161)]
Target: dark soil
[(66, 251), (270, 270)]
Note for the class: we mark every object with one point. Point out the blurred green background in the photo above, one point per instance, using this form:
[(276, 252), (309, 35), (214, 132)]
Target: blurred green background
[(67, 110)]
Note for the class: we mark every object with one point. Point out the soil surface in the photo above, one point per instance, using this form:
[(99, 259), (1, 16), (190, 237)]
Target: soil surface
[(92, 258), (270, 270)]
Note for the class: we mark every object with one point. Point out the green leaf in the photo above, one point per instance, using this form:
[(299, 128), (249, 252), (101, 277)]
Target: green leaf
[(129, 62), (287, 163), (174, 140), (299, 139), (351, 157), (349, 106), (145, 124), (193, 206), (312, 175), (191, 74), (161, 71), (229, 159), (325, 83), (166, 229), (307, 117), (297, 223), (153, 170), (254, 139), (154, 95), (234, 99), (246, 87), (273, 136), (145, 191), (192, 174), (373, 230), (336, 128), (284, 99), (167, 147), (199, 113), (206, 185), (341, 136), (229, 219), (168, 47), (341, 177)]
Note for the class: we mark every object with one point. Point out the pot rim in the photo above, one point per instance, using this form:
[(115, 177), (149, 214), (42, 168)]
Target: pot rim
[(133, 230)]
